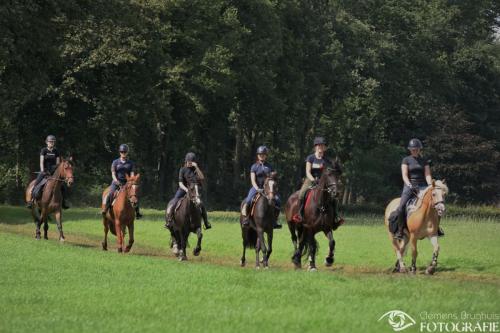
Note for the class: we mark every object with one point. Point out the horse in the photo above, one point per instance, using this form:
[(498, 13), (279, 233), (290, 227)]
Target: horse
[(319, 215), (51, 199), (121, 214), (423, 222), (187, 219), (261, 222)]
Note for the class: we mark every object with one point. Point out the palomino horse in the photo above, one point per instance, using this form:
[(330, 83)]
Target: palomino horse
[(260, 222), (187, 219), (319, 215), (50, 202), (121, 214), (423, 222)]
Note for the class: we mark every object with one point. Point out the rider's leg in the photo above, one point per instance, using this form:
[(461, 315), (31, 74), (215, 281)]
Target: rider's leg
[(246, 206), (205, 217), (302, 192), (64, 195), (171, 210), (138, 214), (109, 198), (400, 213), (35, 190), (277, 208)]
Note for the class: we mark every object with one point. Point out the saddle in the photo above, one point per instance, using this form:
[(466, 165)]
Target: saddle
[(305, 203), (252, 205), (414, 203)]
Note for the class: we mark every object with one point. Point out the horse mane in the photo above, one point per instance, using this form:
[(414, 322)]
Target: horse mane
[(442, 185)]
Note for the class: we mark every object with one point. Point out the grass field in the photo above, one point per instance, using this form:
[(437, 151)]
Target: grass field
[(76, 287)]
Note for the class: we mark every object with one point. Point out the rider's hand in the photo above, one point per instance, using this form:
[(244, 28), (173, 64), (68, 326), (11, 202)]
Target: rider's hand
[(116, 182), (261, 191), (194, 164)]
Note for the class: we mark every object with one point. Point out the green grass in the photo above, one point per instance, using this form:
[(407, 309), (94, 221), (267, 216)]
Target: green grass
[(51, 287)]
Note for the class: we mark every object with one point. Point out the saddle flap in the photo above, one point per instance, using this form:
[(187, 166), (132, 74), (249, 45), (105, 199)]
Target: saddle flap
[(414, 203), (254, 200), (179, 202)]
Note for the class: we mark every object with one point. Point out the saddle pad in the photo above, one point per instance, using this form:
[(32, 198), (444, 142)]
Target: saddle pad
[(308, 197), (414, 203)]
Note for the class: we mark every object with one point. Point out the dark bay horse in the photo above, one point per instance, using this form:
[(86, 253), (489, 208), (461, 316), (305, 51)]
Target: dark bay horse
[(422, 223), (51, 200), (319, 215), (187, 219), (122, 213), (261, 222)]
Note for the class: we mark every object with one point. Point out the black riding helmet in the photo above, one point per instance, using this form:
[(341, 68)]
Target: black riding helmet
[(415, 143), (123, 148), (319, 140), (262, 150), (190, 157), (50, 138)]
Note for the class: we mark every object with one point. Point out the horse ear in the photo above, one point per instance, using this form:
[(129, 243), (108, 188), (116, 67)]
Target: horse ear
[(433, 183), (137, 177), (443, 181), (127, 177), (274, 174)]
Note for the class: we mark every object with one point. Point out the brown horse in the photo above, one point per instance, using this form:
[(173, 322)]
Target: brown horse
[(423, 222), (261, 222), (51, 200), (121, 214), (319, 215), (187, 219)]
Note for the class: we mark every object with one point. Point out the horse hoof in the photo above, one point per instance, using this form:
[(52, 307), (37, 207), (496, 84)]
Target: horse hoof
[(46, 237), (430, 270), (120, 250), (196, 252), (312, 269), (242, 263), (183, 258), (257, 268), (403, 270), (104, 246), (175, 249), (127, 249), (329, 261), (413, 271), (62, 239), (38, 237)]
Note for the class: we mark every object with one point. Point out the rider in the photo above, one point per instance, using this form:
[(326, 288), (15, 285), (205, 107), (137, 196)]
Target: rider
[(315, 163), (416, 173), (189, 174), (49, 159), (120, 169), (259, 171)]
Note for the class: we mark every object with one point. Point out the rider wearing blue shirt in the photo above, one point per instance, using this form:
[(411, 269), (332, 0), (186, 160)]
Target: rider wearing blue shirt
[(120, 169), (259, 171)]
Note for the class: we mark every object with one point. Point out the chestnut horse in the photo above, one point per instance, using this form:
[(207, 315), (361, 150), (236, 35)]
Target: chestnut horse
[(260, 222), (121, 214), (423, 222), (187, 219), (51, 200), (319, 215)]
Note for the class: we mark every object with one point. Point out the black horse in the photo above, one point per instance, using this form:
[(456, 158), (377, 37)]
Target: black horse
[(261, 222), (187, 219), (319, 216)]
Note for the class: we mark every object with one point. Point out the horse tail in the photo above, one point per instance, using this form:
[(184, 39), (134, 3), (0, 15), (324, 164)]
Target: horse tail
[(111, 227), (308, 246), (251, 238)]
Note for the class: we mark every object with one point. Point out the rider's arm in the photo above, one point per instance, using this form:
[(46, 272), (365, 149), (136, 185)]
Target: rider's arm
[(308, 171), (184, 188), (404, 173), (254, 182), (199, 173), (41, 163), (113, 173), (428, 176)]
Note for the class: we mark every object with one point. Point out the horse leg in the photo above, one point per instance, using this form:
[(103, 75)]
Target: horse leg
[(182, 252), (197, 249), (106, 230), (414, 253), (38, 223), (331, 249), (130, 237), (58, 216), (293, 235), (297, 257), (258, 247), (119, 235), (432, 267), (312, 254), (243, 259), (399, 248), (46, 228), (269, 249)]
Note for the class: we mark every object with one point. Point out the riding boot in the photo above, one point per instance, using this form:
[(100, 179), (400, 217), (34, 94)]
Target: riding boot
[(138, 214), (246, 218), (276, 225), (401, 225), (63, 204), (169, 223), (440, 232), (205, 218), (30, 203), (107, 206)]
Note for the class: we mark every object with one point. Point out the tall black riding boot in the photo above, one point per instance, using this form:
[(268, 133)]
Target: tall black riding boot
[(276, 225), (205, 218), (401, 225), (138, 214)]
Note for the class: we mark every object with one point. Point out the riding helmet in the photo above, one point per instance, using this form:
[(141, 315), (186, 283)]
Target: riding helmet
[(415, 143), (123, 148), (262, 150), (190, 157), (319, 140), (50, 138)]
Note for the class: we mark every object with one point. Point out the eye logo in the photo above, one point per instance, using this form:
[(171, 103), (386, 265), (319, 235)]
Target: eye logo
[(398, 320)]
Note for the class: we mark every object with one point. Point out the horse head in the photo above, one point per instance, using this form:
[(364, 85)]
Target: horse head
[(194, 194), (132, 188), (271, 186), (66, 172), (328, 182), (439, 192)]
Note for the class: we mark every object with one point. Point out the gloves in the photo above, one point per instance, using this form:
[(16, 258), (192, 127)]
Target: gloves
[(261, 191)]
